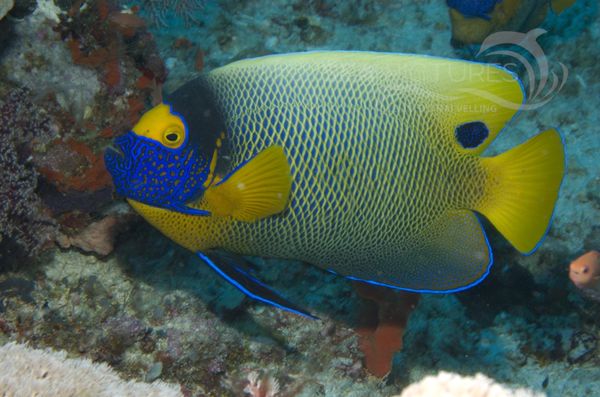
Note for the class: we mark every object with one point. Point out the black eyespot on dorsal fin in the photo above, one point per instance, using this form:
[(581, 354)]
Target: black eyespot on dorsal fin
[(472, 134)]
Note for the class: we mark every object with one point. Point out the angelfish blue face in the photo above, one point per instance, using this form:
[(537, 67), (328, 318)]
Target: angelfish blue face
[(160, 167)]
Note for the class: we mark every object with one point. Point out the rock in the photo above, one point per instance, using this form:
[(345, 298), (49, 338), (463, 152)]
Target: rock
[(98, 237), (154, 372), (5, 7)]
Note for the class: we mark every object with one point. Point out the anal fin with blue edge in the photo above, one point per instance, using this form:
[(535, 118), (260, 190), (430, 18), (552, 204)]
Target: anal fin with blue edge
[(450, 255), (235, 270)]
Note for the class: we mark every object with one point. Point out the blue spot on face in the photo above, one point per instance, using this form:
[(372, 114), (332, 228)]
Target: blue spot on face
[(472, 134)]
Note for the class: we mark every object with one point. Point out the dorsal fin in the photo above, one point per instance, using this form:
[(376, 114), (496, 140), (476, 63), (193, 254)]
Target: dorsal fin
[(464, 91)]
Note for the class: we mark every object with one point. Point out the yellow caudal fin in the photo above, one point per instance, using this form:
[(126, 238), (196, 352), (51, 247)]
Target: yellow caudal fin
[(523, 188), (257, 189)]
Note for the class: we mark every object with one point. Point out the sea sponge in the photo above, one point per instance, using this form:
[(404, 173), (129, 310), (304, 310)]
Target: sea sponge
[(33, 372), (446, 384), (380, 331)]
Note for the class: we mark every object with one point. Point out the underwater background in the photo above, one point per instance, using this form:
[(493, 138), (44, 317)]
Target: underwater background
[(82, 273)]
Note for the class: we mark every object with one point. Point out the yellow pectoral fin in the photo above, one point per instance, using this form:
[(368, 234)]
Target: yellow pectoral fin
[(257, 189)]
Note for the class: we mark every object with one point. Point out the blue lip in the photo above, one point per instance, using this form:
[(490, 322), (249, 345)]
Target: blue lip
[(113, 152), (118, 163), (119, 150), (114, 158)]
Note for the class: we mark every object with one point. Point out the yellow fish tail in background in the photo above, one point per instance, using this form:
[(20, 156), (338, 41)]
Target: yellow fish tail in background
[(558, 6), (365, 164), (523, 188)]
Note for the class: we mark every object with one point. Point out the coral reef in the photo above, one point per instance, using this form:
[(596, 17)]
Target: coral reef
[(70, 82), (156, 312), (447, 384), (22, 218), (33, 372)]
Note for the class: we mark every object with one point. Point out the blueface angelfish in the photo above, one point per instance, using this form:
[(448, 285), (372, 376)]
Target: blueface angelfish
[(364, 164)]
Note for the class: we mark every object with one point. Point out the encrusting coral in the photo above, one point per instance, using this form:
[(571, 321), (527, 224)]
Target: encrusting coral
[(446, 384), (22, 220), (33, 372)]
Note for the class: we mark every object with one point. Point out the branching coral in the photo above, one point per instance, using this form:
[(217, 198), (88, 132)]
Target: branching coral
[(22, 220), (261, 387)]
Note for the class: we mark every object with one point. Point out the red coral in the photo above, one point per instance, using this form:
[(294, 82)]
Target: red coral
[(136, 107), (112, 72), (182, 43), (96, 41), (108, 132), (104, 8), (104, 59), (199, 64), (144, 82), (77, 168), (381, 330), (127, 24)]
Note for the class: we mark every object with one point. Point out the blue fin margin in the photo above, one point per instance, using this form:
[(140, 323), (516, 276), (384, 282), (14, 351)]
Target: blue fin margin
[(232, 269), (432, 291), (184, 209)]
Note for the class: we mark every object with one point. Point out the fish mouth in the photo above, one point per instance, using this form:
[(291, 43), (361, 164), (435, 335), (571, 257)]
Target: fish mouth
[(118, 150), (113, 149), (116, 157), (118, 162)]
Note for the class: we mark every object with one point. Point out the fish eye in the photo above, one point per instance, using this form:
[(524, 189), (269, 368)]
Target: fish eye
[(172, 137)]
